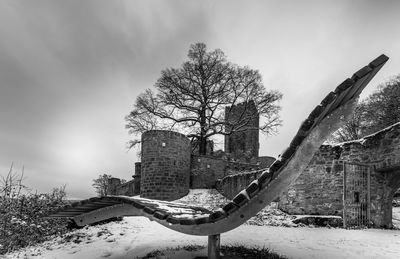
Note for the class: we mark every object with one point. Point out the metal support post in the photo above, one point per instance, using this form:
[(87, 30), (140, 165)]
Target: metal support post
[(214, 242)]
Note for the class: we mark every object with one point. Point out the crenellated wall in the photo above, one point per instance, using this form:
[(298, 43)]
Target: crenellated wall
[(319, 189)]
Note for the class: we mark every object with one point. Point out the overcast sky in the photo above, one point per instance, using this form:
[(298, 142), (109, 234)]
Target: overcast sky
[(71, 70)]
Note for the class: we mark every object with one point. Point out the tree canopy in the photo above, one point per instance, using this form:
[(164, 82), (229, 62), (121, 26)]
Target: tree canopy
[(378, 111), (101, 184), (192, 99)]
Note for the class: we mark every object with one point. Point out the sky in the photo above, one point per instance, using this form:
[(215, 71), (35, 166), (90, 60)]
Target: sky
[(70, 71)]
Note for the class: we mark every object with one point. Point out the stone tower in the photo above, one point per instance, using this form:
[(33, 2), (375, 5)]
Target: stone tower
[(165, 166), (243, 145)]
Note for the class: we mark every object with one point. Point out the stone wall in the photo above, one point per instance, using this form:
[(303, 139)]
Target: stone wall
[(231, 185), (239, 175), (319, 189), (206, 170), (165, 165), (113, 184), (127, 189), (130, 188)]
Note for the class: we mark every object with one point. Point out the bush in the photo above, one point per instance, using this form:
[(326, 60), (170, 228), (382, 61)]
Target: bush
[(22, 216)]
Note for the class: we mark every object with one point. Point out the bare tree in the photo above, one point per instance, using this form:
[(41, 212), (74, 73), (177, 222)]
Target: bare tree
[(192, 99), (355, 127), (101, 184), (11, 185), (379, 110), (384, 105)]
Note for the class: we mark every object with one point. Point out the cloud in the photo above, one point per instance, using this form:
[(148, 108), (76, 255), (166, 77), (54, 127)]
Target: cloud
[(70, 71)]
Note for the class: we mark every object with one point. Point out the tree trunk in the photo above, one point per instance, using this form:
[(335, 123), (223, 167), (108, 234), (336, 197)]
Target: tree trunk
[(203, 139), (202, 146)]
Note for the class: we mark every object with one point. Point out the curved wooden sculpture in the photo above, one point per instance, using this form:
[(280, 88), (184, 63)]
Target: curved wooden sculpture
[(323, 120)]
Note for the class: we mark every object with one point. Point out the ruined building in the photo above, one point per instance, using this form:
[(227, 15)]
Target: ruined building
[(355, 180), (171, 164), (243, 144)]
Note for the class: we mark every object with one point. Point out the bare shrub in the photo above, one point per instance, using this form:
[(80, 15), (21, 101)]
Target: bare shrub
[(23, 219)]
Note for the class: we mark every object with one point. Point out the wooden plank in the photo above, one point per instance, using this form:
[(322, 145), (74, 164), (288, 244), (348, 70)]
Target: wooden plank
[(240, 199), (375, 66), (330, 107), (68, 214), (88, 206), (381, 60), (82, 209), (343, 97), (104, 203)]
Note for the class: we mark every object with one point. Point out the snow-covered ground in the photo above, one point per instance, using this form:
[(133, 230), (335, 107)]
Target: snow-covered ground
[(211, 199), (134, 237)]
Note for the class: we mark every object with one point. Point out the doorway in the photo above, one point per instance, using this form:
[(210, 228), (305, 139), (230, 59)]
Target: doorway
[(356, 195)]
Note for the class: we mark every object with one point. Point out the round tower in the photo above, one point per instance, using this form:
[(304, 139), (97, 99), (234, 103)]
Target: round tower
[(165, 166)]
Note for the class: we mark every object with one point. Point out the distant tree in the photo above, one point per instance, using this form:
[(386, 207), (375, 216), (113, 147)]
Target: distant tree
[(101, 184), (378, 111), (384, 106), (355, 127), (192, 99)]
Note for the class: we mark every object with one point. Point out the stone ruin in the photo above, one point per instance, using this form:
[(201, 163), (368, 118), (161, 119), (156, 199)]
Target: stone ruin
[(170, 164), (356, 179), (244, 143)]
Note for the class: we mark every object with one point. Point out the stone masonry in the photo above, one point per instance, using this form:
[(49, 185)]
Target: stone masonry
[(168, 168), (129, 188), (165, 165), (243, 144), (206, 170), (319, 189), (231, 185)]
